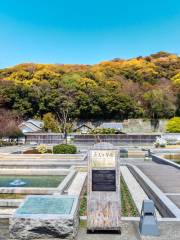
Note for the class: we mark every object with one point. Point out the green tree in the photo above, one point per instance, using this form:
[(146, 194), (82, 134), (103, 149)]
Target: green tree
[(158, 104), (120, 106), (50, 123), (173, 125)]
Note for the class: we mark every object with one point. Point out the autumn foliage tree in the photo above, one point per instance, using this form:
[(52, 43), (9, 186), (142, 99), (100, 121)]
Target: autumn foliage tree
[(118, 89)]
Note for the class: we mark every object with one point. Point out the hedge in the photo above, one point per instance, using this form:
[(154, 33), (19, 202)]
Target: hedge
[(64, 149)]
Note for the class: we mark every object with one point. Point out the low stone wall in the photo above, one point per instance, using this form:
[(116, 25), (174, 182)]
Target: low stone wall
[(42, 157), (37, 161), (34, 172)]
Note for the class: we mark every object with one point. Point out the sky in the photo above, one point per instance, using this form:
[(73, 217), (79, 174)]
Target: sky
[(86, 31)]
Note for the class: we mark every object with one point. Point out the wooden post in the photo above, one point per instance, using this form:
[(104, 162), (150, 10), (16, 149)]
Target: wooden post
[(103, 206)]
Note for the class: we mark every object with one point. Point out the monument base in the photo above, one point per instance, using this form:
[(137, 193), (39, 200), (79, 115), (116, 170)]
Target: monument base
[(117, 231), (45, 221)]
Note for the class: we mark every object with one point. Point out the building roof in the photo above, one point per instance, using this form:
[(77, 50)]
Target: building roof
[(114, 125), (31, 126), (80, 126), (37, 123)]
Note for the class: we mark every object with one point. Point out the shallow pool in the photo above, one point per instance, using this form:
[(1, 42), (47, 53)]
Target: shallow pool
[(31, 181)]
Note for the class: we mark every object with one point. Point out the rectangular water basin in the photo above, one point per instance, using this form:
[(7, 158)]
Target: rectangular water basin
[(30, 181)]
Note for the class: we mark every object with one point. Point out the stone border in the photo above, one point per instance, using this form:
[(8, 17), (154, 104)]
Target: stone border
[(43, 157), (66, 182), (34, 172), (165, 206), (25, 190), (10, 202)]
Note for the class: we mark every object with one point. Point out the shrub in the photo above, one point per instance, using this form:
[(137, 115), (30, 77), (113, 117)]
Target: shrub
[(42, 148), (5, 144), (103, 131), (160, 142), (173, 125), (64, 149)]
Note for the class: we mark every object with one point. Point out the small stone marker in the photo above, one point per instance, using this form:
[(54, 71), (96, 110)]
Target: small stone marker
[(103, 206), (148, 220)]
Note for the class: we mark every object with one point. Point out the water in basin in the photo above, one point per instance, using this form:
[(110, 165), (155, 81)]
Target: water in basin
[(30, 181), (46, 205), (17, 183)]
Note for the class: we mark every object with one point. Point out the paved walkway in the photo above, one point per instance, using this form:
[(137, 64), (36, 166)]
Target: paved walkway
[(129, 231), (168, 231)]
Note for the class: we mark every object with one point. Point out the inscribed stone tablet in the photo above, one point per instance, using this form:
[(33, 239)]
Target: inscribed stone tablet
[(46, 205), (104, 180)]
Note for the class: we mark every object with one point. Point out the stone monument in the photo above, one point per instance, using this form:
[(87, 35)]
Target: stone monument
[(46, 217), (103, 206)]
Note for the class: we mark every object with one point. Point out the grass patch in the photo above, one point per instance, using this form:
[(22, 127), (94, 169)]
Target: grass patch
[(83, 205), (12, 196), (128, 207)]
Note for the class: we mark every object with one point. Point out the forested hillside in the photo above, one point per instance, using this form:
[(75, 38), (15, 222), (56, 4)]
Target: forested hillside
[(117, 89)]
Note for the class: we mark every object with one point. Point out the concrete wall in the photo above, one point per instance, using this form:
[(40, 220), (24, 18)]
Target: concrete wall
[(44, 138), (116, 139)]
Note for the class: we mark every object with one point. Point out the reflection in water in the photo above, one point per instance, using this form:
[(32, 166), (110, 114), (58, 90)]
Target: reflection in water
[(174, 157), (17, 182)]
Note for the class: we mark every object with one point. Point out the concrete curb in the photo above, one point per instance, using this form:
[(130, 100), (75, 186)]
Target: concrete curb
[(161, 160), (65, 183), (10, 202)]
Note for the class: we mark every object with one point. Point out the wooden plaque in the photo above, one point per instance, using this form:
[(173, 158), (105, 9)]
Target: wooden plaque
[(103, 206)]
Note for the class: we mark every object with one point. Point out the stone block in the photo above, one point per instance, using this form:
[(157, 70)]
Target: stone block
[(46, 217)]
